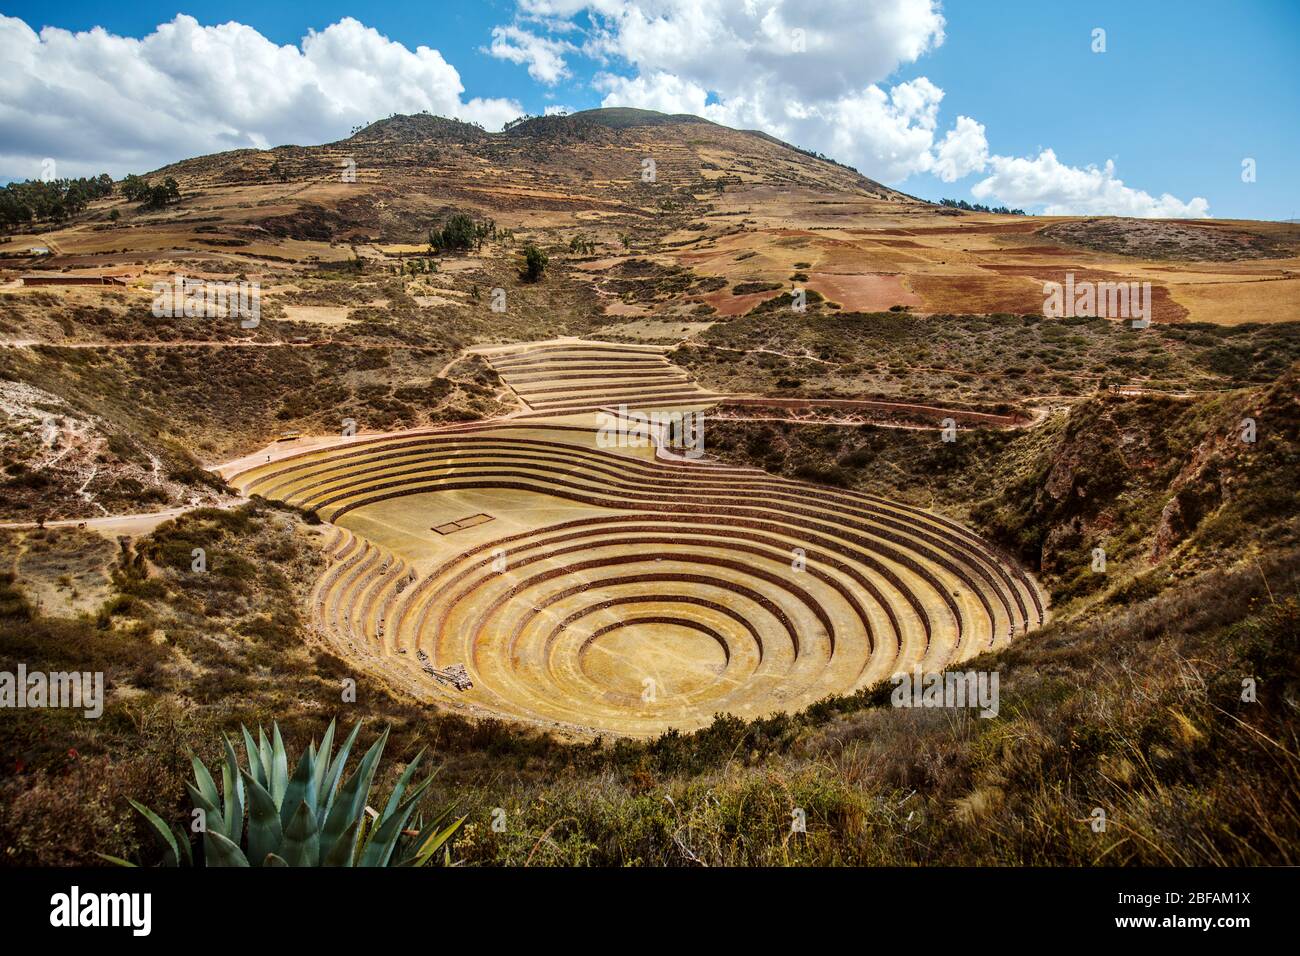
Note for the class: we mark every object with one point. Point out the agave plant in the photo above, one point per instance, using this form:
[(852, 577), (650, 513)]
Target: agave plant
[(303, 819)]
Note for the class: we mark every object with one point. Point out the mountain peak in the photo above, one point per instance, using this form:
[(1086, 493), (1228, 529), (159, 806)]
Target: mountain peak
[(417, 127)]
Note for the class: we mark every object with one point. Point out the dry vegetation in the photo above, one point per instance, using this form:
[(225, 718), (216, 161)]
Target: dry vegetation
[(1135, 708), (1130, 700)]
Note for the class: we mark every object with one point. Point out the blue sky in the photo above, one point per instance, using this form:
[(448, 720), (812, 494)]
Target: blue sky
[(1183, 93)]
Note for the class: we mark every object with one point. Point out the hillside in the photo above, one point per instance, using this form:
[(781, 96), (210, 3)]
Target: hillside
[(401, 479), (1200, 775), (739, 214)]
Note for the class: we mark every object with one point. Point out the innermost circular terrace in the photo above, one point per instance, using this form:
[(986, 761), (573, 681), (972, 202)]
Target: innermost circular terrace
[(640, 659)]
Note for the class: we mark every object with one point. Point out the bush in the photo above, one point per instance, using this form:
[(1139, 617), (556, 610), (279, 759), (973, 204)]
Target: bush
[(534, 262), (460, 233)]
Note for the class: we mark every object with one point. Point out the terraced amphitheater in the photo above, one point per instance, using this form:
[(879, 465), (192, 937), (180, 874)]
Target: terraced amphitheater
[(566, 376), (517, 569)]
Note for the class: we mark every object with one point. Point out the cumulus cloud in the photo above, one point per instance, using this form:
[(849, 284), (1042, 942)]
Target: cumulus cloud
[(95, 102), (660, 91), (963, 151), (815, 50), (888, 133), (810, 73), (1062, 190), (817, 74), (543, 56)]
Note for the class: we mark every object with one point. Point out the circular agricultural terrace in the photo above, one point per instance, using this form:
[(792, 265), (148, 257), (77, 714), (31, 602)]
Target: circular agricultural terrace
[(626, 590)]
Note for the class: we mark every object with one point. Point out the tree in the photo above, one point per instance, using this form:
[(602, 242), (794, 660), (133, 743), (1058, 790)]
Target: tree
[(156, 197), (56, 199), (980, 207), (484, 229), (534, 262), (135, 189), (456, 235)]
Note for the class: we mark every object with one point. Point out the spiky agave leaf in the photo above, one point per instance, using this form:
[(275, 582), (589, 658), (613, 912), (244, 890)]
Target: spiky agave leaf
[(301, 844), (211, 812), (203, 780), (329, 786), (264, 748), (430, 842), (395, 798), (279, 766), (163, 831), (219, 851), (233, 788), (265, 830), (255, 766), (340, 854), (328, 824), (183, 841), (379, 848), (322, 769), (301, 788), (351, 799)]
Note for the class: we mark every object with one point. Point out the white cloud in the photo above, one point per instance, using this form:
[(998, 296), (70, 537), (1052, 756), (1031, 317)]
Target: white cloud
[(812, 73), (809, 73), (98, 102), (962, 152), (544, 57), (660, 91), (1063, 190), (815, 73), (816, 51), (889, 134)]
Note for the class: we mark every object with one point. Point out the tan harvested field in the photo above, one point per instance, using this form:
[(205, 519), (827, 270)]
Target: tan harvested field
[(317, 314), (653, 330)]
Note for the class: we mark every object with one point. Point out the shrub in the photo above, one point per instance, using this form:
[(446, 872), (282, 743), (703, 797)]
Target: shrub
[(303, 819), (534, 263)]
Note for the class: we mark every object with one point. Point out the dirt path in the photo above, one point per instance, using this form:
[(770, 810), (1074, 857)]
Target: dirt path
[(130, 524), (1040, 415), (184, 343)]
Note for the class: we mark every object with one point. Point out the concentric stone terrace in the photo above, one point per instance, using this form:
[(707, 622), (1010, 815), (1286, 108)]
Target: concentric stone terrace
[(625, 591), (562, 377)]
